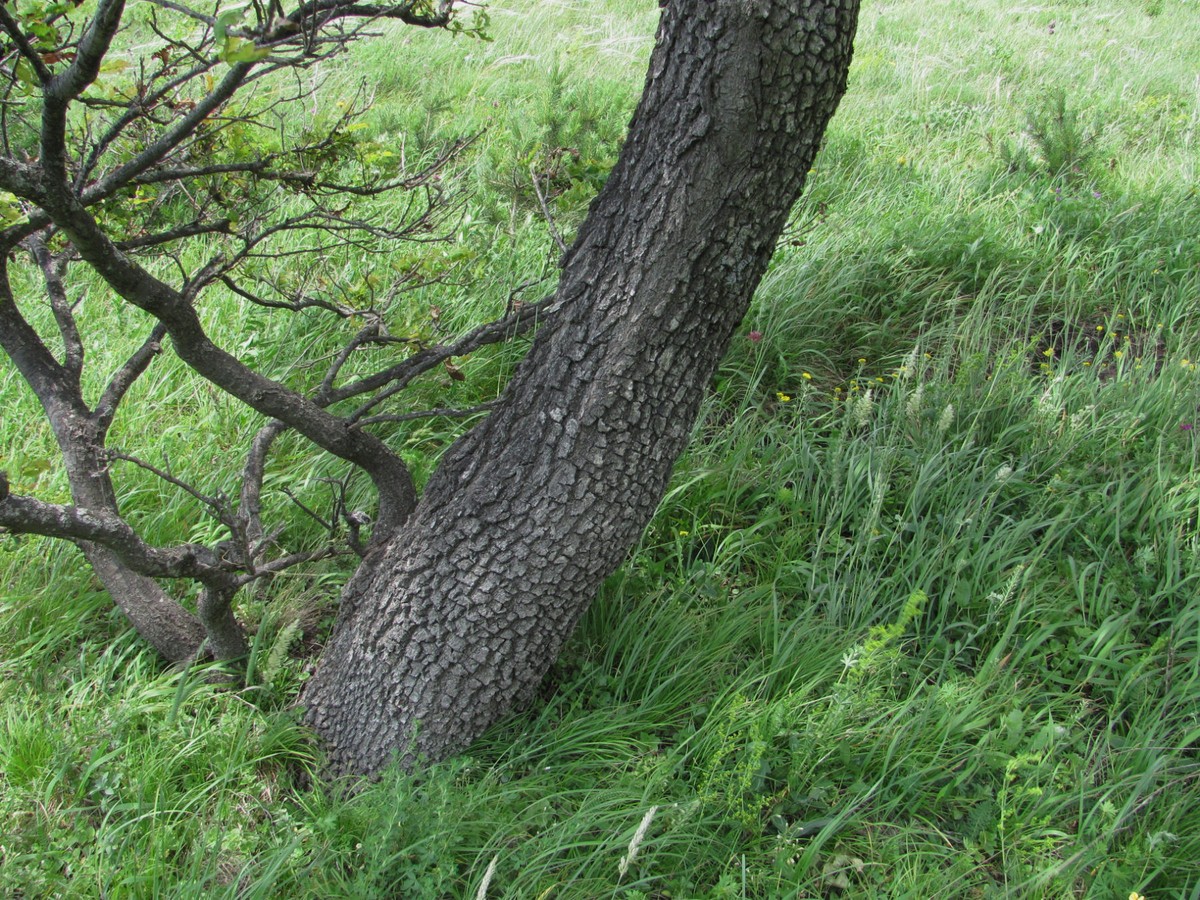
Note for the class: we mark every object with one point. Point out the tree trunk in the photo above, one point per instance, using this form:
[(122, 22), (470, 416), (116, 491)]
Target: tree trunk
[(456, 618), (168, 627)]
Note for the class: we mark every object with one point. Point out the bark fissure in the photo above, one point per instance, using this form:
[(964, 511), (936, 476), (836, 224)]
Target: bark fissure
[(456, 618)]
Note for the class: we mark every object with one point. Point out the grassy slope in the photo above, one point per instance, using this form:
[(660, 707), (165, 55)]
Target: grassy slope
[(918, 617)]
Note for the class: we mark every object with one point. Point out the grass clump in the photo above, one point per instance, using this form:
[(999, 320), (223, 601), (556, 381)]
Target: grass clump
[(918, 614)]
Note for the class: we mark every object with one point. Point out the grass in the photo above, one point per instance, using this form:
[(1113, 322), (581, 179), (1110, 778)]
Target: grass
[(918, 616)]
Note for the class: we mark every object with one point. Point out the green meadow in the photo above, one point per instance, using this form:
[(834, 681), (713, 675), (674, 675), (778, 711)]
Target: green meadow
[(920, 613)]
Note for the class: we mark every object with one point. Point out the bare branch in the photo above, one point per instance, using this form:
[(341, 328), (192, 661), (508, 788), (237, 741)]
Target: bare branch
[(308, 511), (397, 494), (550, 223), (213, 503), (275, 566), (21, 179), (33, 359), (253, 472), (189, 11), (27, 515), (444, 412), (89, 53), (53, 268), (181, 232), (397, 377), (124, 378)]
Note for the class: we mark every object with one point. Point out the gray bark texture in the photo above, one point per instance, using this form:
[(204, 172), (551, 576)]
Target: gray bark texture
[(458, 616)]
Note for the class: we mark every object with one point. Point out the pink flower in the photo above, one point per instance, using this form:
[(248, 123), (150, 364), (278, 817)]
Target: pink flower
[(1186, 426), (755, 336)]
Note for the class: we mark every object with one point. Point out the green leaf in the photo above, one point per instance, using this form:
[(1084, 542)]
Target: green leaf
[(240, 50), (24, 72), (227, 20)]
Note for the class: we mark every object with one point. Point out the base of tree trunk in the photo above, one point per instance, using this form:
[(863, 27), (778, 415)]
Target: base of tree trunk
[(457, 618)]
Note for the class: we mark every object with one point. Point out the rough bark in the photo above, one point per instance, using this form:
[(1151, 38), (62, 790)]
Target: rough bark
[(458, 616)]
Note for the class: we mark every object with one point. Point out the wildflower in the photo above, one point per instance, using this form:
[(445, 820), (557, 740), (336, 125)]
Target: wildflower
[(1118, 353), (1097, 194), (946, 419), (1185, 426), (913, 406), (636, 842), (755, 336), (861, 412), (807, 376), (481, 894), (862, 360), (1099, 327), (783, 398), (1049, 351), (1134, 895)]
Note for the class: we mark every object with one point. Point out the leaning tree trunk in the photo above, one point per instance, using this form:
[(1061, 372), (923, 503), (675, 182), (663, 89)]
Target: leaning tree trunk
[(457, 617)]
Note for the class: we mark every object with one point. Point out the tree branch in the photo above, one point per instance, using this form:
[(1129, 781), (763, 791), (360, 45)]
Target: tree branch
[(37, 365), (397, 377), (182, 232), (123, 379), (89, 54), (253, 472), (52, 274), (397, 494), (27, 515), (13, 29)]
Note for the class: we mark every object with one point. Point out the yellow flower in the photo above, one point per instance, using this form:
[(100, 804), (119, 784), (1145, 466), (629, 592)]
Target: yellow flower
[(1049, 351), (783, 398), (1099, 327), (683, 532), (1118, 353), (807, 376), (862, 360), (1134, 895)]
